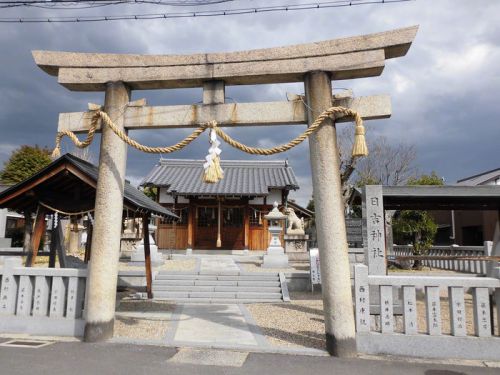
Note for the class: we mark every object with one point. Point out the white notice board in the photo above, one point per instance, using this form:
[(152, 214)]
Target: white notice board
[(315, 269)]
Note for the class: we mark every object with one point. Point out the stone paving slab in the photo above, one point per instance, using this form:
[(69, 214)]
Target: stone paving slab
[(210, 323)]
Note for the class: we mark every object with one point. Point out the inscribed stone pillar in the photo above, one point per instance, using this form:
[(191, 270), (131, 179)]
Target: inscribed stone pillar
[(330, 221), (374, 229), (103, 273)]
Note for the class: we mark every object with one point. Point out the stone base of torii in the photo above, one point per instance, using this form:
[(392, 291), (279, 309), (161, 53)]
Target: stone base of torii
[(315, 64)]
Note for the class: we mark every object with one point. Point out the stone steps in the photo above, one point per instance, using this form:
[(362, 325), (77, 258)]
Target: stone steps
[(215, 288), (191, 294), (218, 277), (221, 301), (220, 287), (254, 283)]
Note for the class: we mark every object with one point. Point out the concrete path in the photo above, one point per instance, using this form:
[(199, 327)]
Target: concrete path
[(214, 325), (220, 325)]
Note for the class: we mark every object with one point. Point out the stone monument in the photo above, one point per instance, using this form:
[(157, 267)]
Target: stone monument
[(130, 239), (137, 256), (275, 256), (295, 236)]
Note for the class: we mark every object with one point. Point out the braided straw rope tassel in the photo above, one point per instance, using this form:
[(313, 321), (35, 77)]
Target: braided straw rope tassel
[(213, 171)]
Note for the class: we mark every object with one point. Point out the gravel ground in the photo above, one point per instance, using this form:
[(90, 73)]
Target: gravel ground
[(135, 326), (140, 328), (300, 323)]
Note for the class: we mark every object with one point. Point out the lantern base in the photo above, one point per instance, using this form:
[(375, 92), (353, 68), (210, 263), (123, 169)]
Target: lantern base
[(275, 258)]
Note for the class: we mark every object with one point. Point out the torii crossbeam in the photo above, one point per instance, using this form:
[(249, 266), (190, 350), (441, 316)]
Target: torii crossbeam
[(315, 64)]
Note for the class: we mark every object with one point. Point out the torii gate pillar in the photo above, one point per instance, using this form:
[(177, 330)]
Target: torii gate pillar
[(330, 223), (103, 268)]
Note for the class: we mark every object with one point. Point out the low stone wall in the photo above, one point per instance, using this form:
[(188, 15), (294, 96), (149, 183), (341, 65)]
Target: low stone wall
[(382, 333), (470, 266), (41, 301)]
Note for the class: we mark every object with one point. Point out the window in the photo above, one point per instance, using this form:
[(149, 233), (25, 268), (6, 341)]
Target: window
[(233, 217), (206, 217)]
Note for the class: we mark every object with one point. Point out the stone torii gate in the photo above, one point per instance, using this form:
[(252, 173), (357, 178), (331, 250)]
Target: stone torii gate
[(315, 64)]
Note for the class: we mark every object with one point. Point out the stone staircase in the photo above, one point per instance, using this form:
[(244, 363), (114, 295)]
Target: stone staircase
[(220, 287)]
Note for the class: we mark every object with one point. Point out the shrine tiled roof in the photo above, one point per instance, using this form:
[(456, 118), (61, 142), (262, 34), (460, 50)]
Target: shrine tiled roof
[(241, 177), (486, 178), (133, 198)]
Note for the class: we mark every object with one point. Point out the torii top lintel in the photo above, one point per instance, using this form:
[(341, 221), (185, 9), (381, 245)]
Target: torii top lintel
[(346, 58)]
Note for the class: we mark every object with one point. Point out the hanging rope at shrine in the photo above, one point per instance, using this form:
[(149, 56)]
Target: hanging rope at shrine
[(80, 213), (213, 171)]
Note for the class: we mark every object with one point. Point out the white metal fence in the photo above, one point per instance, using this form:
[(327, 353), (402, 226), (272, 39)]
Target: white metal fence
[(471, 266), (41, 301), (472, 334)]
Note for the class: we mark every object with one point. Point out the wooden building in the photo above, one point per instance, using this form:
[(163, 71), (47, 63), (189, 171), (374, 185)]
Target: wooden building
[(468, 227), (226, 215), (67, 186)]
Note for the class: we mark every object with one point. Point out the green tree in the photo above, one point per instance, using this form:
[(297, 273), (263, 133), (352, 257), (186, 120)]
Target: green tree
[(426, 179), (310, 207), (151, 192), (418, 227), (23, 163)]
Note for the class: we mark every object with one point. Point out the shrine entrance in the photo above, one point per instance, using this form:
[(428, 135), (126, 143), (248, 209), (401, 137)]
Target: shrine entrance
[(232, 229), (205, 232), (316, 65)]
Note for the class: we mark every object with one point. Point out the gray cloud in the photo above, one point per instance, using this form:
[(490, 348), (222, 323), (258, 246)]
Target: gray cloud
[(445, 91)]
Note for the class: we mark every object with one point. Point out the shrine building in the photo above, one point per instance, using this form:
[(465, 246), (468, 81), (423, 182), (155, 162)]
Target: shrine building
[(227, 215)]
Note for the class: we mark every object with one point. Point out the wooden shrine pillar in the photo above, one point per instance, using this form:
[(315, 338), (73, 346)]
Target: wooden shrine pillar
[(218, 243), (88, 244), (246, 223), (57, 244), (190, 229), (147, 254), (330, 221), (54, 238), (103, 269), (36, 237)]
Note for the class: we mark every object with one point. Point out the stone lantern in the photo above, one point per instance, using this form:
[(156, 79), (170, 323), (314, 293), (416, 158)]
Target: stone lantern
[(275, 256), (138, 257)]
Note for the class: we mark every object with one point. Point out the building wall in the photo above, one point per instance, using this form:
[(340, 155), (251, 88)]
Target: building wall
[(3, 221), (167, 198), (175, 235), (466, 222)]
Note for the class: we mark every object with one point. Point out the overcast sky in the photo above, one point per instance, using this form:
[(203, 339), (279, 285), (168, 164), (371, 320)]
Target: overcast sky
[(445, 92)]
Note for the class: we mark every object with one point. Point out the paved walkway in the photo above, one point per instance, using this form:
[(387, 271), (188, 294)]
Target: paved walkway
[(214, 325)]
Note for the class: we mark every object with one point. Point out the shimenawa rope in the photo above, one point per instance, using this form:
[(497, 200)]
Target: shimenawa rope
[(213, 170)]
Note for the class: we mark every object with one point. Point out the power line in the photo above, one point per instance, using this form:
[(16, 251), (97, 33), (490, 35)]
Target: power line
[(207, 13), (76, 4), (170, 2)]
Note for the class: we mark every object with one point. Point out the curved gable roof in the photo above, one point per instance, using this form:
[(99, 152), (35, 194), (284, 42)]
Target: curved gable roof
[(83, 173), (241, 177)]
